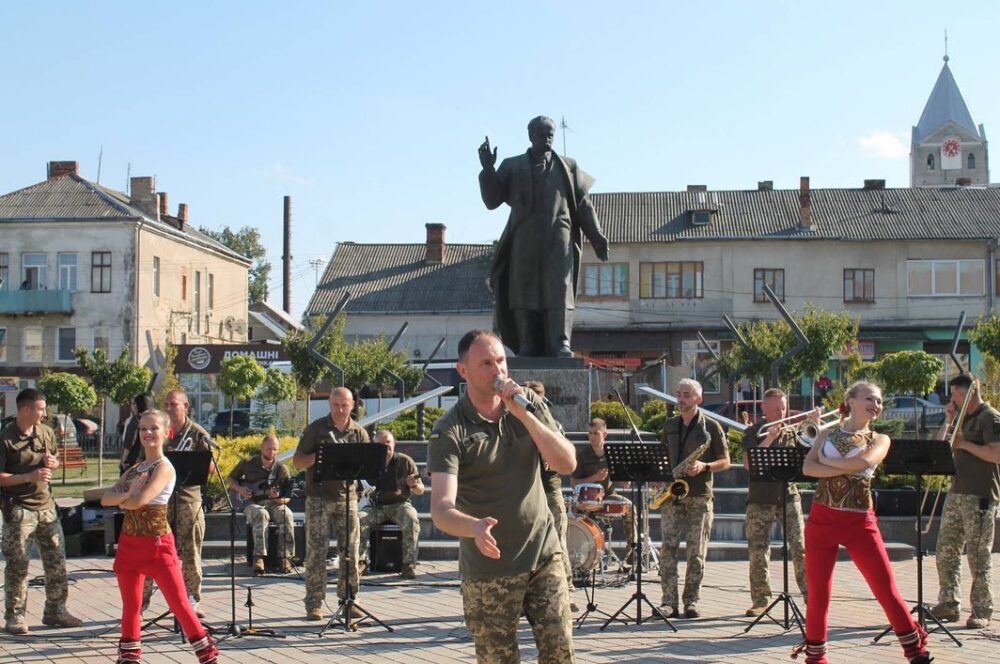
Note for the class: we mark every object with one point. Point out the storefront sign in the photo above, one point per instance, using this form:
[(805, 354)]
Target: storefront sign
[(207, 358)]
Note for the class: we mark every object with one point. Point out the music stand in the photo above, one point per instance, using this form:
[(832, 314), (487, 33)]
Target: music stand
[(349, 462), (784, 465), (640, 463), (918, 457), (190, 469)]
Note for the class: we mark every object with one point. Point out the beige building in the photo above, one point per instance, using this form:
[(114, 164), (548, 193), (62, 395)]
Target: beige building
[(85, 265)]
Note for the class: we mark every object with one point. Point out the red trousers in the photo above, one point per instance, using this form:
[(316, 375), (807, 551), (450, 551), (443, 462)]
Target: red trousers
[(156, 557), (826, 530)]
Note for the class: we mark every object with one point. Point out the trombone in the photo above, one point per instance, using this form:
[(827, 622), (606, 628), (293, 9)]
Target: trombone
[(955, 428), (807, 430)]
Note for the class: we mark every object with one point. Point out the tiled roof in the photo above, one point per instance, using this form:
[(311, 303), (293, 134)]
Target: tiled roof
[(73, 198), (838, 214), (396, 278), (944, 105)]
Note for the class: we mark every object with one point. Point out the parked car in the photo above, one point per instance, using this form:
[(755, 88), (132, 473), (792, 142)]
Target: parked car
[(241, 423), (901, 408)]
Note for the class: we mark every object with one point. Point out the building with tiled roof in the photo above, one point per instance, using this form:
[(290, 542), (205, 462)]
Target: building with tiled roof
[(84, 265)]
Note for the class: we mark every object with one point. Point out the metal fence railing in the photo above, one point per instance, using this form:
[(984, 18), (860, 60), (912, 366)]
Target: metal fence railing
[(112, 445)]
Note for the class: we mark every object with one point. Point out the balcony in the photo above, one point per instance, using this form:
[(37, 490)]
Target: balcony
[(28, 302)]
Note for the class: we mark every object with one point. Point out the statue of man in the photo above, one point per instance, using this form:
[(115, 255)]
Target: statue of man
[(537, 261)]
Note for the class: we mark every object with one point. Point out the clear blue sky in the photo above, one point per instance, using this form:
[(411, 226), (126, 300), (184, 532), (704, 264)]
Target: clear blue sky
[(369, 114)]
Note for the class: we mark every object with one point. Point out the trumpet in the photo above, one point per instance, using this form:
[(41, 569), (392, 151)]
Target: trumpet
[(956, 427)]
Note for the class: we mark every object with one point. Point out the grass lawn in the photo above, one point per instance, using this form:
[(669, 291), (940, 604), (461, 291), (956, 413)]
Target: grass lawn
[(78, 479)]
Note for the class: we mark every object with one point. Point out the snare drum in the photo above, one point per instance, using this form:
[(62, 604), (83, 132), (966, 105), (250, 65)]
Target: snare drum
[(588, 497), (584, 543), (613, 506)]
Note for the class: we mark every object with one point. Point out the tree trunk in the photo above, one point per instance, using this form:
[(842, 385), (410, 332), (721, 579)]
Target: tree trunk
[(232, 408), (100, 444)]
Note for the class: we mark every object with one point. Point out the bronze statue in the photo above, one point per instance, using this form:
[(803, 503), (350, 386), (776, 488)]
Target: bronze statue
[(537, 261)]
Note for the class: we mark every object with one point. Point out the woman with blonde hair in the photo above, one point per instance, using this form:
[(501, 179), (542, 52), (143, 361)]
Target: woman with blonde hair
[(844, 459)]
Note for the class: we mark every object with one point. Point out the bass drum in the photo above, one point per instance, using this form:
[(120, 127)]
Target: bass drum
[(584, 542)]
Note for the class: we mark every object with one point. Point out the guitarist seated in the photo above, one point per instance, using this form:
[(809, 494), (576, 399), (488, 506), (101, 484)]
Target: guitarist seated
[(265, 485)]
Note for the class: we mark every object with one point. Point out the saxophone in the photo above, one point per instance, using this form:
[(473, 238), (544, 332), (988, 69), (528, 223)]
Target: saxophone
[(678, 489)]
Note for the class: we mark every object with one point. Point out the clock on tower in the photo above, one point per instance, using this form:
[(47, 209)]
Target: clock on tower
[(951, 147)]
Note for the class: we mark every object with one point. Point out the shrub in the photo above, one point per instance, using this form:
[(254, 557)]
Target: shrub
[(614, 415), (234, 450), (404, 427)]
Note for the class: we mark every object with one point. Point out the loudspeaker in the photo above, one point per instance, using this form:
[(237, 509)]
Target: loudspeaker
[(112, 530), (71, 518), (387, 548), (274, 544)]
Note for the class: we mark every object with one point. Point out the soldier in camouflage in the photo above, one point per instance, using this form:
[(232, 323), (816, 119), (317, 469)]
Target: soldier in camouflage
[(184, 513), (390, 503), (27, 458), (325, 506), (683, 434), (970, 508), (484, 457), (764, 506), (264, 483)]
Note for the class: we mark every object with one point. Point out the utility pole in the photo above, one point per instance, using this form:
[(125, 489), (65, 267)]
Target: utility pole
[(316, 263)]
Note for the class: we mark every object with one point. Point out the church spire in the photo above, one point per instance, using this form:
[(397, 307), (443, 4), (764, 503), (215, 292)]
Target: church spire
[(945, 105)]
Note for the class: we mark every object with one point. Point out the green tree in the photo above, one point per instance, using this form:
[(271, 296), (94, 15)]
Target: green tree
[(118, 380), (986, 335), (69, 393), (828, 334), (306, 369), (239, 378), (911, 372), (278, 386), (246, 242), (169, 381)]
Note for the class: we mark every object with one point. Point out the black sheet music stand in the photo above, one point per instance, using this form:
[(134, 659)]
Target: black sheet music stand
[(918, 457), (639, 463), (349, 462), (191, 469), (784, 465)]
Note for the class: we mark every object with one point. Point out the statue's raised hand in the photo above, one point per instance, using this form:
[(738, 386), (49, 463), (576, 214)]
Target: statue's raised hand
[(486, 158), (600, 245)]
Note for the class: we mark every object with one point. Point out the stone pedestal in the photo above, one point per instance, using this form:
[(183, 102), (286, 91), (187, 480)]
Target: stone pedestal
[(567, 386)]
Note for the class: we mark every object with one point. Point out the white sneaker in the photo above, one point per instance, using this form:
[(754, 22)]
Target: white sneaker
[(194, 605)]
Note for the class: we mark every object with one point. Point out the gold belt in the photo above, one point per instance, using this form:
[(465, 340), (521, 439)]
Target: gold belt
[(148, 521)]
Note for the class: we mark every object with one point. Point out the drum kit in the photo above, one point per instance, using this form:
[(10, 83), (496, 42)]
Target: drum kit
[(590, 518)]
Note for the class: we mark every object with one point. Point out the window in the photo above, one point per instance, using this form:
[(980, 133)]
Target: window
[(4, 270), (695, 355), (671, 280), (184, 285), (156, 276), (35, 272), (859, 285), (211, 291), (946, 277), (606, 280), (3, 344), (773, 277), (197, 302), (101, 338), (66, 344), (971, 162), (67, 272), (100, 272), (930, 162), (31, 344)]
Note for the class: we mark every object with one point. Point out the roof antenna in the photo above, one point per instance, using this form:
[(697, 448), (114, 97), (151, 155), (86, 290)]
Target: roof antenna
[(100, 158), (128, 179), (565, 128), (946, 45)]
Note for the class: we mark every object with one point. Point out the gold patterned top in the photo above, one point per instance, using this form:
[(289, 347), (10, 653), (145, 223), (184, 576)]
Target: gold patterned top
[(852, 493), (147, 521)]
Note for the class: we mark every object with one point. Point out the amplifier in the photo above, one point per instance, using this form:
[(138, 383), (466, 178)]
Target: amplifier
[(274, 544), (386, 547)]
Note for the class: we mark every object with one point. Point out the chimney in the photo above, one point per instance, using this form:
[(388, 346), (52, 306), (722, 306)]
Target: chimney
[(164, 206), (142, 194), (182, 216), (57, 169), (697, 187), (963, 182), (435, 243), (286, 259), (874, 185), (765, 185), (805, 205)]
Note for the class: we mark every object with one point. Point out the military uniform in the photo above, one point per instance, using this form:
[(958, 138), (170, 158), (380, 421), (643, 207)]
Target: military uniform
[(968, 517), (552, 485), (391, 503), (693, 513), (589, 462), (184, 513), (30, 513), (497, 468), (260, 511), (325, 510), (763, 510)]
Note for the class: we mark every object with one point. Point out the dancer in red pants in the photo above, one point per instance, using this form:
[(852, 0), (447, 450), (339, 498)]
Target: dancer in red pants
[(146, 546), (844, 459)]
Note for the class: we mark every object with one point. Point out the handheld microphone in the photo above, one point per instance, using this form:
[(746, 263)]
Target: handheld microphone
[(519, 398)]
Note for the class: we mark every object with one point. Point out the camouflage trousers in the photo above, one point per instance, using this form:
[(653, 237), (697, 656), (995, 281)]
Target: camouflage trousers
[(760, 518), (322, 515), (557, 505), (42, 526), (403, 515), (693, 514), (259, 517), (188, 526), (493, 608), (963, 524)]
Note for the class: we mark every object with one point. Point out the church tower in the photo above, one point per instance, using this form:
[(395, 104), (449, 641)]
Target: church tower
[(947, 147)]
